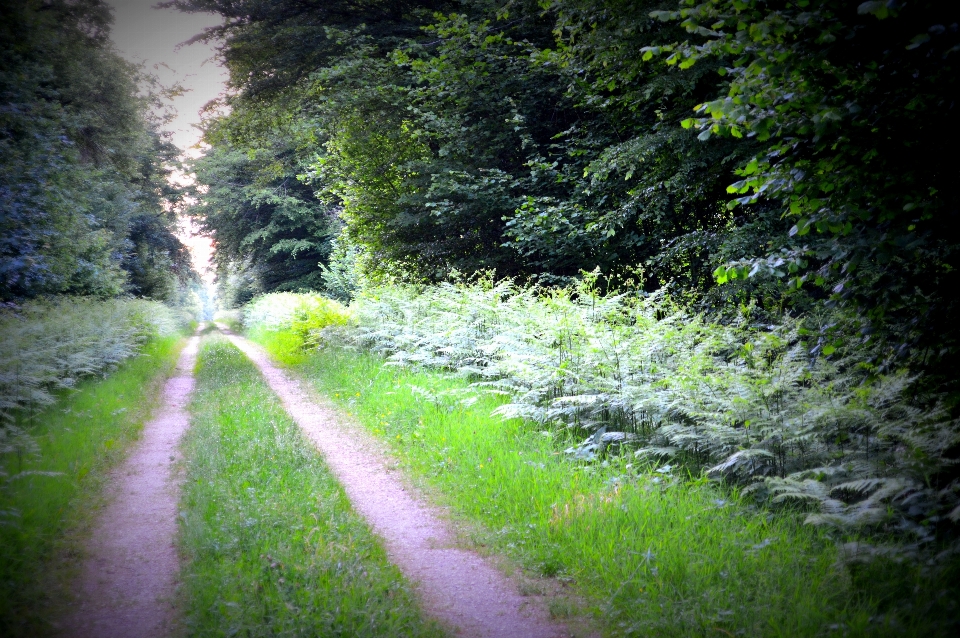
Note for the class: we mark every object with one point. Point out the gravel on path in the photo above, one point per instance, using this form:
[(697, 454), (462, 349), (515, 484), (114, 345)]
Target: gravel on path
[(128, 579), (458, 587)]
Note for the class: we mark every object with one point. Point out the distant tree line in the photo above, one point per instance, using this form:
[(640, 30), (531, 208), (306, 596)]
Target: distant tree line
[(797, 155), (86, 207)]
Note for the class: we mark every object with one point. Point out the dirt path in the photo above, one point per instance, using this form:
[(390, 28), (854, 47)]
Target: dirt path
[(128, 580), (458, 587)]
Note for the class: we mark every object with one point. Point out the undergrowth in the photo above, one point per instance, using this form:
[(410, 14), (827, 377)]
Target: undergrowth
[(50, 485), (232, 319), (797, 422), (272, 545), (50, 344), (654, 549)]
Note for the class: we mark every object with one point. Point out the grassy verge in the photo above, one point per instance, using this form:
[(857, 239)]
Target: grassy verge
[(654, 553), (48, 490), (273, 547)]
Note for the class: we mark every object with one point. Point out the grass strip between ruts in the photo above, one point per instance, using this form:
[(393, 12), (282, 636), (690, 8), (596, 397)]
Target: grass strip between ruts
[(655, 552), (48, 494), (272, 544)]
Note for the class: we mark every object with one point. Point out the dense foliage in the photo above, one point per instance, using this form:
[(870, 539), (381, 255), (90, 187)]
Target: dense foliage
[(272, 232), (303, 315), (85, 205), (733, 150), (269, 230), (843, 102)]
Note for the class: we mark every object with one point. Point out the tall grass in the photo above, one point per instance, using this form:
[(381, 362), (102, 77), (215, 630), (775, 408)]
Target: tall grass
[(273, 547), (50, 488)]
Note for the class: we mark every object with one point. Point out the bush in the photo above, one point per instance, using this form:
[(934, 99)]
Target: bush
[(306, 315), (232, 319)]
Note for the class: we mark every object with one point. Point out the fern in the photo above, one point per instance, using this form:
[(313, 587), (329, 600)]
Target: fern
[(744, 403), (48, 345)]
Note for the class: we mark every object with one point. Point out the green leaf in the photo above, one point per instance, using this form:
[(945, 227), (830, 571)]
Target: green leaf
[(876, 7), (663, 16), (720, 274), (801, 228)]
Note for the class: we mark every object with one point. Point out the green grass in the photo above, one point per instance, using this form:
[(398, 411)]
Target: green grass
[(46, 507), (652, 553), (284, 347), (272, 545)]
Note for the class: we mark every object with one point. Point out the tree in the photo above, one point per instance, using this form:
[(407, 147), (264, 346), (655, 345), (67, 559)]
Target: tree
[(84, 165), (844, 106), (739, 151), (265, 223)]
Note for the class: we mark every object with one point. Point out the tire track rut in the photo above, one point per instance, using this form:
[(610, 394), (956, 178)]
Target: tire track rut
[(128, 579), (456, 586)]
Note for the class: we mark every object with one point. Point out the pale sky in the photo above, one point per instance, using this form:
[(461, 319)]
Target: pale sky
[(142, 33)]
